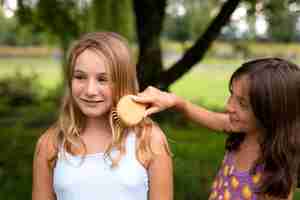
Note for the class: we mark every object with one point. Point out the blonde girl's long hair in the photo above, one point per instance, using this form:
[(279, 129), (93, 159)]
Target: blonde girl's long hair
[(122, 72)]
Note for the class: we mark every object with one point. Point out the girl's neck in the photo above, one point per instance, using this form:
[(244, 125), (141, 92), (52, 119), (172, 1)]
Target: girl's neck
[(251, 141), (244, 158), (97, 125)]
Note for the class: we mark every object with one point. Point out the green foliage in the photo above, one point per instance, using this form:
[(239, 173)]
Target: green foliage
[(14, 35), (77, 17), (7, 34), (177, 28), (16, 162), (188, 26), (19, 132), (18, 90), (200, 13), (197, 153), (23, 116), (111, 16), (282, 21)]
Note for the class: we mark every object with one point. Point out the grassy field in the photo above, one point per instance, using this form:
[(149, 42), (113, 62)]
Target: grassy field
[(48, 70), (197, 152)]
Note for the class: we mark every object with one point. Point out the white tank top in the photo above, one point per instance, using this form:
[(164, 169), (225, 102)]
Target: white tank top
[(94, 179)]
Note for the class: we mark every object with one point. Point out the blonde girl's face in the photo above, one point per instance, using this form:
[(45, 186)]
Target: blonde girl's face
[(239, 108), (91, 87)]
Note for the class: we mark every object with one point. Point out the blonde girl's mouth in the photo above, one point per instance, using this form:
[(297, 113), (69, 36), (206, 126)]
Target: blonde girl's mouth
[(91, 101)]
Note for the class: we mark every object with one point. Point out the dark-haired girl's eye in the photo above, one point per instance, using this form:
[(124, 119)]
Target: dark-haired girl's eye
[(243, 105)]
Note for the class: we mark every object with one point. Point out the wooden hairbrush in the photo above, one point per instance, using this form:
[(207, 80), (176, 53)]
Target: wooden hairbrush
[(129, 111)]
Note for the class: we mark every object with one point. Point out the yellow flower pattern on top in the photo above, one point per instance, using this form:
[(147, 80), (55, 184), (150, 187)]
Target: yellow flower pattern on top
[(256, 178), (226, 170), (227, 195), (233, 185), (234, 182), (213, 195), (246, 192)]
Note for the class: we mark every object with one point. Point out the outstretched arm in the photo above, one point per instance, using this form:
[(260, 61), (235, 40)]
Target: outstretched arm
[(158, 101)]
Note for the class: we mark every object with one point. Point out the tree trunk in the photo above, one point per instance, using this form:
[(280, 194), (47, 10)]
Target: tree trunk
[(149, 19), (149, 22)]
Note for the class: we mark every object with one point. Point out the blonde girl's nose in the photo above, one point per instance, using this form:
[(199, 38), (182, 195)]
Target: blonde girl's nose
[(91, 87)]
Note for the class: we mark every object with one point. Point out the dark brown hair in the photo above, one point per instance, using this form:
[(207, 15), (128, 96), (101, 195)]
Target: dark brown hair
[(274, 94)]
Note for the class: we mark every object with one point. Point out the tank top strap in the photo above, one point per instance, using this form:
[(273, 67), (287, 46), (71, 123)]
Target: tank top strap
[(130, 146), (130, 143)]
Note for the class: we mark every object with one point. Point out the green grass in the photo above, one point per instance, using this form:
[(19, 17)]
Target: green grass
[(47, 69), (206, 83)]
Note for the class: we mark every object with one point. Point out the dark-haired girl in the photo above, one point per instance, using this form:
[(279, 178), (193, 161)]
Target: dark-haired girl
[(262, 119)]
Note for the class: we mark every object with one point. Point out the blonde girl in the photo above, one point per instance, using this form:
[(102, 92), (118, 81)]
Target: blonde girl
[(88, 154)]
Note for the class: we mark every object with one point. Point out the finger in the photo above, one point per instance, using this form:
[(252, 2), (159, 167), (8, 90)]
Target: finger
[(152, 110), (144, 93), (150, 89), (142, 99)]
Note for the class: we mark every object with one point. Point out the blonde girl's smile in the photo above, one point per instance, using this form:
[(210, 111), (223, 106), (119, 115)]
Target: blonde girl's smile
[(91, 102)]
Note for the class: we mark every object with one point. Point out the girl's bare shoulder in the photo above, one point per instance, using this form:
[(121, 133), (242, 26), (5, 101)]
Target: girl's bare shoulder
[(46, 145), (159, 142)]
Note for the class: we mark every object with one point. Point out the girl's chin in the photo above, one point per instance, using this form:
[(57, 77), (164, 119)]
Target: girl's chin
[(95, 114), (237, 127)]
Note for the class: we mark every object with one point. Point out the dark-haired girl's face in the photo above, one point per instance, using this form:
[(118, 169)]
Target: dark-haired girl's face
[(238, 106)]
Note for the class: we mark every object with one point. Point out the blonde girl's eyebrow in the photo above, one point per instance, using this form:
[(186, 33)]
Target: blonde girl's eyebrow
[(78, 71), (103, 74), (98, 74)]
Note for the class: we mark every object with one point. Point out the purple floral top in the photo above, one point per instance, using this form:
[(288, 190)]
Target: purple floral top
[(230, 184)]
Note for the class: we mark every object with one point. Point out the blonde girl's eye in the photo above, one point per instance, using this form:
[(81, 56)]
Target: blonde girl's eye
[(79, 77), (102, 79)]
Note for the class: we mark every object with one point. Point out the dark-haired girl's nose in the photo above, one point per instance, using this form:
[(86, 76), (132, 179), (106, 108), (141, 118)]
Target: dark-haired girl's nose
[(230, 105)]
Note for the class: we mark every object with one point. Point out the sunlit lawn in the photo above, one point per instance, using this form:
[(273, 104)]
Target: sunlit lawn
[(210, 72), (47, 69)]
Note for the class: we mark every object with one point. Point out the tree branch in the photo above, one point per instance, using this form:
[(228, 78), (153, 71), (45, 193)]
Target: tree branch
[(198, 50)]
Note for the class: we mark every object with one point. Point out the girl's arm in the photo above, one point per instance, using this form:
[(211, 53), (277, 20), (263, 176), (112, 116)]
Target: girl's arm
[(160, 168), (159, 101), (212, 120), (42, 174)]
